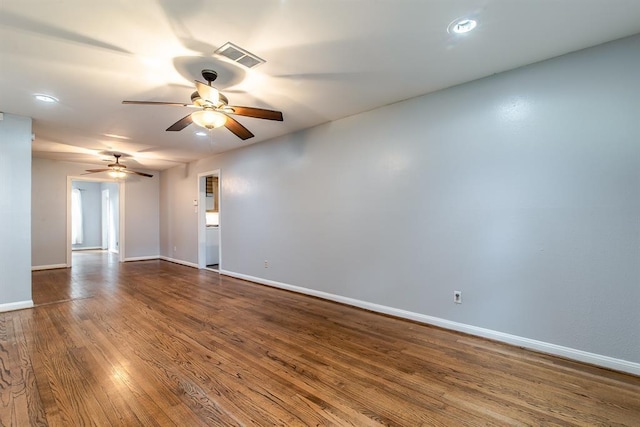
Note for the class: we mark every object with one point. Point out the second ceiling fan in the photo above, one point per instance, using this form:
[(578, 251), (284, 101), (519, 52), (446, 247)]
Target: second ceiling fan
[(214, 109), (117, 169)]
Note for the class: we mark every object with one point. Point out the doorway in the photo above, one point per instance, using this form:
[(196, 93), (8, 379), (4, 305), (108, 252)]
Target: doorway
[(94, 210), (209, 225)]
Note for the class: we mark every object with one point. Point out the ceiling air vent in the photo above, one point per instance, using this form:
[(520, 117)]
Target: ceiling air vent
[(239, 55)]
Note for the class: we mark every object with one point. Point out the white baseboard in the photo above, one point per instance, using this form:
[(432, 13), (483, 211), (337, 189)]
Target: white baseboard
[(16, 305), (142, 258), (48, 267), (541, 346), (179, 261), (87, 248)]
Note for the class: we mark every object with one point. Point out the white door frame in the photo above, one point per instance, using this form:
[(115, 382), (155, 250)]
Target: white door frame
[(70, 179), (202, 224)]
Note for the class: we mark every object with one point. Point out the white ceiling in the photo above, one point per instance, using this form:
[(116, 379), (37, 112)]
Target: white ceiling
[(326, 59)]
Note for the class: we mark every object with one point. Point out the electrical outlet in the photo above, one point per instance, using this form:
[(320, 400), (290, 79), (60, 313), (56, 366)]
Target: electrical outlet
[(266, 264), (457, 297), (175, 249)]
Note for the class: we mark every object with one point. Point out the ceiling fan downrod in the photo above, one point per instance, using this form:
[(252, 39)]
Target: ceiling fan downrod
[(209, 75)]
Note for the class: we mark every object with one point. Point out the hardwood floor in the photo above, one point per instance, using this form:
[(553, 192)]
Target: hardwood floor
[(156, 343)]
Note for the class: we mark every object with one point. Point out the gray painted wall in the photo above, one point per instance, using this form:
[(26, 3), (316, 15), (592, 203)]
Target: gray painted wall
[(15, 212), (178, 221), (522, 190), (49, 218), (142, 217)]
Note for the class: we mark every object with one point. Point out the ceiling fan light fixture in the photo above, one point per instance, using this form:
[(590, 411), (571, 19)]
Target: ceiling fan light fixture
[(208, 119), (117, 174)]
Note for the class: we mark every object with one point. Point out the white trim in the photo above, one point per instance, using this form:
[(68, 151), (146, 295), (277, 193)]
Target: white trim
[(142, 258), (16, 305), (541, 346), (179, 261), (121, 221), (201, 221), (87, 248), (47, 267), (121, 209)]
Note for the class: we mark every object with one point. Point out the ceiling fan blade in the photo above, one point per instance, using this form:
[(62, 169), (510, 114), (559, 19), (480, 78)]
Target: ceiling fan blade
[(180, 124), (138, 173), (207, 92), (97, 170), (258, 113), (240, 131), (173, 104)]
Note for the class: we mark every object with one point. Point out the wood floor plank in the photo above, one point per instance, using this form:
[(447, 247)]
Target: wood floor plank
[(35, 409), (114, 361), (155, 343), (233, 392), (10, 376), (159, 374), (145, 388)]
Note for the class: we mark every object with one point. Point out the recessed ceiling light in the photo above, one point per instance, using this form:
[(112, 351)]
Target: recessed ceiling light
[(201, 133), (45, 98), (461, 26)]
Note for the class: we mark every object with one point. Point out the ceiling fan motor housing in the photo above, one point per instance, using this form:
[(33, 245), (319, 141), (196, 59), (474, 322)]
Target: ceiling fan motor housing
[(209, 75)]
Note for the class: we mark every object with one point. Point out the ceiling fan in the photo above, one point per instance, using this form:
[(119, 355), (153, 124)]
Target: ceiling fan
[(117, 169), (214, 109)]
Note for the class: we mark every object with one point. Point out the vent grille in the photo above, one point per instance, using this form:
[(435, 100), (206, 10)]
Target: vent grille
[(239, 55)]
